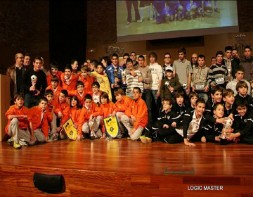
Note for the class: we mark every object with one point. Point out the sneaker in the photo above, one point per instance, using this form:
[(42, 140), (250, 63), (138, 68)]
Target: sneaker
[(10, 141), (22, 142), (99, 134), (143, 139), (148, 139), (16, 145), (92, 135), (53, 137), (224, 142)]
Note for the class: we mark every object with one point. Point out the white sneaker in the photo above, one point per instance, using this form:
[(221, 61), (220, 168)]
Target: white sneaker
[(22, 142), (10, 141), (99, 133), (92, 135)]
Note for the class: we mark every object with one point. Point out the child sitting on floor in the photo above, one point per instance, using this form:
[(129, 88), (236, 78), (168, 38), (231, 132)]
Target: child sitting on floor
[(18, 123)]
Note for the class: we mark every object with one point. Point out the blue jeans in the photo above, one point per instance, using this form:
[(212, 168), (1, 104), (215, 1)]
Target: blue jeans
[(147, 97), (154, 92)]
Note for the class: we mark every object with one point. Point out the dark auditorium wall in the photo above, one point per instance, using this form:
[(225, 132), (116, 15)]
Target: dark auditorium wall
[(55, 30), (101, 28), (23, 27), (67, 32)]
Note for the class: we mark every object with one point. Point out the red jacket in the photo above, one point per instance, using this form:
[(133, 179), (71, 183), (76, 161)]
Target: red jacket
[(64, 108), (140, 111), (75, 114), (70, 84), (56, 91), (22, 123), (80, 97), (87, 82), (85, 116), (49, 77), (105, 109), (38, 121), (121, 106)]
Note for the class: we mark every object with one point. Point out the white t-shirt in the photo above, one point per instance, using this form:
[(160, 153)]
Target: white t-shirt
[(157, 75)]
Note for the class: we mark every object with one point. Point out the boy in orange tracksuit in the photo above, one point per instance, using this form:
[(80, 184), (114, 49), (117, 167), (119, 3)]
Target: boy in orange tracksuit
[(68, 79), (122, 103), (18, 122), (88, 123), (86, 78), (75, 110), (55, 87), (136, 116), (51, 104), (105, 109), (80, 92), (54, 72), (62, 110), (39, 120)]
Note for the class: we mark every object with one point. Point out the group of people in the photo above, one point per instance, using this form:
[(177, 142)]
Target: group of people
[(160, 10), (180, 101)]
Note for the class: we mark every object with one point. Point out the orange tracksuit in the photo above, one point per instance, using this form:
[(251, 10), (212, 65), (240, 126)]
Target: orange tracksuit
[(105, 110), (39, 122), (87, 81), (71, 84), (75, 114), (121, 106), (49, 77), (64, 108), (85, 116), (79, 96), (139, 110), (14, 110), (56, 91)]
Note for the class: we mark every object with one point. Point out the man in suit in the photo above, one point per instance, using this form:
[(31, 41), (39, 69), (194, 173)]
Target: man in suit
[(16, 74)]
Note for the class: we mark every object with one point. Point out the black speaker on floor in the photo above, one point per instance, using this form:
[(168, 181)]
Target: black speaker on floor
[(49, 183)]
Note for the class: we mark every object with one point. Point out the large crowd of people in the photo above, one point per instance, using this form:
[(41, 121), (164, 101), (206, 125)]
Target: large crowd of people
[(179, 101)]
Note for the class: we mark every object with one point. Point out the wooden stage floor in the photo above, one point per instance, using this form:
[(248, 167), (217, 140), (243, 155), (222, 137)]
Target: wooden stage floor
[(127, 168)]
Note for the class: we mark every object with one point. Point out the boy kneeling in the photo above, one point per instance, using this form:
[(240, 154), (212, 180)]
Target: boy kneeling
[(40, 119), (136, 116)]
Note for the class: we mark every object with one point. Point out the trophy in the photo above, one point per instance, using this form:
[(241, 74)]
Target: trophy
[(116, 79), (34, 81)]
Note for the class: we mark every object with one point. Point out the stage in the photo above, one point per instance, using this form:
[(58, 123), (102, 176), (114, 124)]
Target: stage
[(127, 168)]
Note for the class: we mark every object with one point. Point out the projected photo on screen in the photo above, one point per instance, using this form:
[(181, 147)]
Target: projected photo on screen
[(157, 19)]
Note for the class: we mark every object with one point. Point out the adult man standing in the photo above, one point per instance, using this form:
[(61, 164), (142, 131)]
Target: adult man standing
[(16, 74), (183, 69), (247, 63), (27, 61)]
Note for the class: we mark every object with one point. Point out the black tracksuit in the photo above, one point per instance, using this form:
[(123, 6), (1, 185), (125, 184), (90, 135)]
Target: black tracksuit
[(244, 125)]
